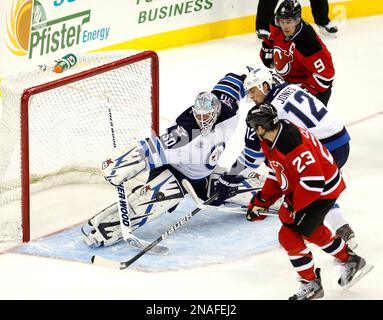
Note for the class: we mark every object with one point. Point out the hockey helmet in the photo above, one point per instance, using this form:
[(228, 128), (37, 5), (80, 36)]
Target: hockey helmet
[(206, 110), (263, 114), (257, 77), (289, 9)]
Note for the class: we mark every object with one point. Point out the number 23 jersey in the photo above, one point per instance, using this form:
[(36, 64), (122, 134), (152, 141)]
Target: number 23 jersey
[(300, 167)]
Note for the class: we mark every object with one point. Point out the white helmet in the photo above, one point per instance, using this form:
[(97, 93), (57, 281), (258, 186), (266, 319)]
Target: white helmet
[(206, 110), (257, 77)]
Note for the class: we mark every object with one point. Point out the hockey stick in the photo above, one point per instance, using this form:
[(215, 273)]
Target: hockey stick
[(239, 209), (123, 205), (104, 262), (190, 190), (122, 200)]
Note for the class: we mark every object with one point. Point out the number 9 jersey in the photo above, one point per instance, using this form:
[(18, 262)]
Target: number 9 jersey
[(303, 58), (300, 167)]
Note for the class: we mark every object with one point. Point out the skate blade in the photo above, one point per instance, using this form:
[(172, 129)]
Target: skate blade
[(359, 275), (327, 34), (352, 244)]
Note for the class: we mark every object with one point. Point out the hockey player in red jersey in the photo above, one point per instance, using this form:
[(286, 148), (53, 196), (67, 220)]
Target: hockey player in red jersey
[(303, 171), (297, 53)]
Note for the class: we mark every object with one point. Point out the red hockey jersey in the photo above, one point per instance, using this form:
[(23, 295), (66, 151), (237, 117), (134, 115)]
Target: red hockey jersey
[(300, 167), (302, 59)]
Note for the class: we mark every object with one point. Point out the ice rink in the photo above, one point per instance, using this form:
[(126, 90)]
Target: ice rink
[(184, 72)]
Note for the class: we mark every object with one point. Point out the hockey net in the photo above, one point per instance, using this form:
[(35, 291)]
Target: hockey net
[(58, 128)]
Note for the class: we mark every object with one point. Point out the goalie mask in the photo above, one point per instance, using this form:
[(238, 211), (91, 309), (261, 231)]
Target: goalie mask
[(206, 110)]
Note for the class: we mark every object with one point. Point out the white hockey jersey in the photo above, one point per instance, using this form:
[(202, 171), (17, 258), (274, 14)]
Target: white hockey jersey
[(184, 148), (296, 105)]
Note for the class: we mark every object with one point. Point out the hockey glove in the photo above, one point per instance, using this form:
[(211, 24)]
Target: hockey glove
[(227, 187), (267, 55), (256, 207), (286, 212)]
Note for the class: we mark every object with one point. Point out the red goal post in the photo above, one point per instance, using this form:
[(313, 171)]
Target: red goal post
[(64, 123)]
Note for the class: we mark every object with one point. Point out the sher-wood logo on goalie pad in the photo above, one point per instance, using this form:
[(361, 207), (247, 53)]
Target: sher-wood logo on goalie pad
[(123, 205)]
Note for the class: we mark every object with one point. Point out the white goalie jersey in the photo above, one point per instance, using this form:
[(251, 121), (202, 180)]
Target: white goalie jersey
[(185, 148), (193, 154)]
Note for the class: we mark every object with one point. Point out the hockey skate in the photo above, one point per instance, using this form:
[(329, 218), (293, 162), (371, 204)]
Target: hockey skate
[(354, 269), (329, 29), (310, 290), (348, 235)]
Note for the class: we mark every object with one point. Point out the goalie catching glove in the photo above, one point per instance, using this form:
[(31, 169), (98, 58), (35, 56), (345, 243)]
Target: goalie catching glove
[(256, 207), (125, 166)]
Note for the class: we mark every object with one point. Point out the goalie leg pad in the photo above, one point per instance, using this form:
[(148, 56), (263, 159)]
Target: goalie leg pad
[(146, 202), (125, 165), (157, 196), (103, 229)]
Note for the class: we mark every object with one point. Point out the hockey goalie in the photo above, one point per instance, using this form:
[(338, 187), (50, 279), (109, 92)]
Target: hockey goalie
[(148, 173)]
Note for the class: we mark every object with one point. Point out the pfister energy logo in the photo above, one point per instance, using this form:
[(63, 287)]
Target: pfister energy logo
[(31, 33)]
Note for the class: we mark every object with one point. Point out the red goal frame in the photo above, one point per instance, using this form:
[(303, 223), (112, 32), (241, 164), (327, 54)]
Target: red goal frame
[(24, 122)]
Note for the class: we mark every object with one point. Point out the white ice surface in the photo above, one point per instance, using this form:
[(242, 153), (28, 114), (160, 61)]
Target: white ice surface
[(184, 72)]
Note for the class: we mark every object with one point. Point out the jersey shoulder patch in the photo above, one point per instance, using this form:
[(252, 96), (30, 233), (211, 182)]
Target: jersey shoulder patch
[(307, 41), (289, 139)]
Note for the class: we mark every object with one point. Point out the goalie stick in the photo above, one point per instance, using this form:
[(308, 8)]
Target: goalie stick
[(105, 262), (123, 204), (122, 200), (238, 209)]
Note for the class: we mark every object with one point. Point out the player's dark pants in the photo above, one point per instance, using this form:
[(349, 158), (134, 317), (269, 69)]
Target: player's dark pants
[(265, 12), (311, 217), (266, 8), (341, 154), (319, 9), (339, 147), (324, 97)]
